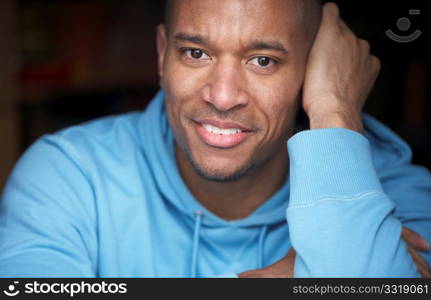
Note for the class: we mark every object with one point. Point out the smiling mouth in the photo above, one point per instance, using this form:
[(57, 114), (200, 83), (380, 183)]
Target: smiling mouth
[(227, 137), (216, 130)]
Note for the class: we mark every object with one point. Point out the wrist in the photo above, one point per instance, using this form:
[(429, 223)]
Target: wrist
[(337, 120)]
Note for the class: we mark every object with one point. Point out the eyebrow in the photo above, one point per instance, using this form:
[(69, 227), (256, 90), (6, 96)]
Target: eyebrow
[(254, 45), (267, 45), (186, 37)]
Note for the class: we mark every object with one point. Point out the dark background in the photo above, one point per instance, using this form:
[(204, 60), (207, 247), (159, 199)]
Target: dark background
[(65, 62)]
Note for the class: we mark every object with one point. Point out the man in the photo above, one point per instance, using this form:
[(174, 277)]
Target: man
[(201, 184)]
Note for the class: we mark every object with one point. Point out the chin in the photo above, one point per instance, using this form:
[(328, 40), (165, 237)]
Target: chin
[(221, 172)]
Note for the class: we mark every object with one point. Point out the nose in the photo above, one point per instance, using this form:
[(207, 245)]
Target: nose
[(225, 86)]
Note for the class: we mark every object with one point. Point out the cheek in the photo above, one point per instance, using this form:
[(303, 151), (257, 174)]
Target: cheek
[(174, 98), (183, 82), (177, 89), (277, 100), (281, 116), (181, 86)]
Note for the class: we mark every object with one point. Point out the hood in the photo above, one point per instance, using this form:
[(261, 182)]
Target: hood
[(387, 148)]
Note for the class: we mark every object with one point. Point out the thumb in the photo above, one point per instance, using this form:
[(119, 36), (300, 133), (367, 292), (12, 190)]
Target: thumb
[(414, 239), (281, 269)]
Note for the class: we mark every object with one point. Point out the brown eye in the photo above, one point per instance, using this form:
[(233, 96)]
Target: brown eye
[(263, 61), (196, 53)]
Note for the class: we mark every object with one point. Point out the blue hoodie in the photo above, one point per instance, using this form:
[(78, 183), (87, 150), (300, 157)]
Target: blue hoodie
[(105, 199)]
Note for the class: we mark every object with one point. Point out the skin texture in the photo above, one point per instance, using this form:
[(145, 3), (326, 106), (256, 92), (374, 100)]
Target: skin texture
[(340, 74), (209, 67), (228, 84)]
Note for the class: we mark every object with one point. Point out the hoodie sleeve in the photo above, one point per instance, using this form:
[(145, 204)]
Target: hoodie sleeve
[(343, 220), (45, 224)]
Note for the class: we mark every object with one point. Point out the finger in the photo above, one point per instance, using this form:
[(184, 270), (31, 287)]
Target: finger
[(415, 240), (330, 13), (364, 45), (421, 264), (280, 269), (258, 273), (291, 258), (411, 243), (376, 64)]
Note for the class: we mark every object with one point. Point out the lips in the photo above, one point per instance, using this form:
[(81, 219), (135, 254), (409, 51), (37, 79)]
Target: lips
[(221, 134)]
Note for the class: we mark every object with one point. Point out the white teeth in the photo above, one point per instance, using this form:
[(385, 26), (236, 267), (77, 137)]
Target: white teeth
[(213, 129)]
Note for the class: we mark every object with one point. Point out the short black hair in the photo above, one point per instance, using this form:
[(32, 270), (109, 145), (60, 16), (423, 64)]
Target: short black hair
[(314, 5)]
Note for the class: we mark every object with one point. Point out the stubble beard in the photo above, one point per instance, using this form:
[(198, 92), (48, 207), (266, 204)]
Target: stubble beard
[(213, 176), (300, 124)]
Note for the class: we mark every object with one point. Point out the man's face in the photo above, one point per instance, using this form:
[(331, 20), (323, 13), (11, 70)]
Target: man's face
[(232, 72)]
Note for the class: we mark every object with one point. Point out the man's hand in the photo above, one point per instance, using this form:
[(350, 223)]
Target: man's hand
[(285, 266), (339, 75), (416, 243), (281, 269)]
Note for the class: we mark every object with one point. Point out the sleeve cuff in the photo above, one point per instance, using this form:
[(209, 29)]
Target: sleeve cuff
[(330, 162)]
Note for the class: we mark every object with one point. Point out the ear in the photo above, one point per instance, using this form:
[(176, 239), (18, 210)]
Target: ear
[(161, 48)]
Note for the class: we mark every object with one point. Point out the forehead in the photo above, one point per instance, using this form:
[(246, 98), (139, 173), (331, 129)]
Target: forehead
[(239, 20)]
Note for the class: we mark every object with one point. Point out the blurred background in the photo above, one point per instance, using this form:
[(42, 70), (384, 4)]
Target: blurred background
[(63, 62)]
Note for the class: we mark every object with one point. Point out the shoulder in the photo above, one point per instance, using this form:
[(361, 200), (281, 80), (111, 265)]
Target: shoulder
[(106, 139), (403, 181), (93, 152), (392, 158), (81, 151), (110, 131)]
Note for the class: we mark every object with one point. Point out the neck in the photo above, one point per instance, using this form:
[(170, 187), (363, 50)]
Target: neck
[(236, 199)]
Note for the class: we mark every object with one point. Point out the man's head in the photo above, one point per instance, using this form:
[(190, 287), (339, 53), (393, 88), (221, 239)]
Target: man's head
[(237, 65)]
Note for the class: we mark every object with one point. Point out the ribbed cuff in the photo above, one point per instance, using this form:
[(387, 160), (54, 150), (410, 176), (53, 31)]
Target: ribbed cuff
[(330, 162)]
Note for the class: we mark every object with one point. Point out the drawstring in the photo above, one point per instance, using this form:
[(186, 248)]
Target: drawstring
[(198, 215), (260, 248)]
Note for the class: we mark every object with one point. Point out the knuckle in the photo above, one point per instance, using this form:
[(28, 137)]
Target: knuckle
[(377, 64), (364, 44)]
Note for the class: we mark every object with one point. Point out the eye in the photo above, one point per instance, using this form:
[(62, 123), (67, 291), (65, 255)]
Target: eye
[(197, 54), (263, 61)]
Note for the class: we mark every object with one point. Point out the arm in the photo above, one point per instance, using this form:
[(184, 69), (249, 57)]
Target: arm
[(46, 228), (337, 199), (341, 221), (400, 181), (343, 236)]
